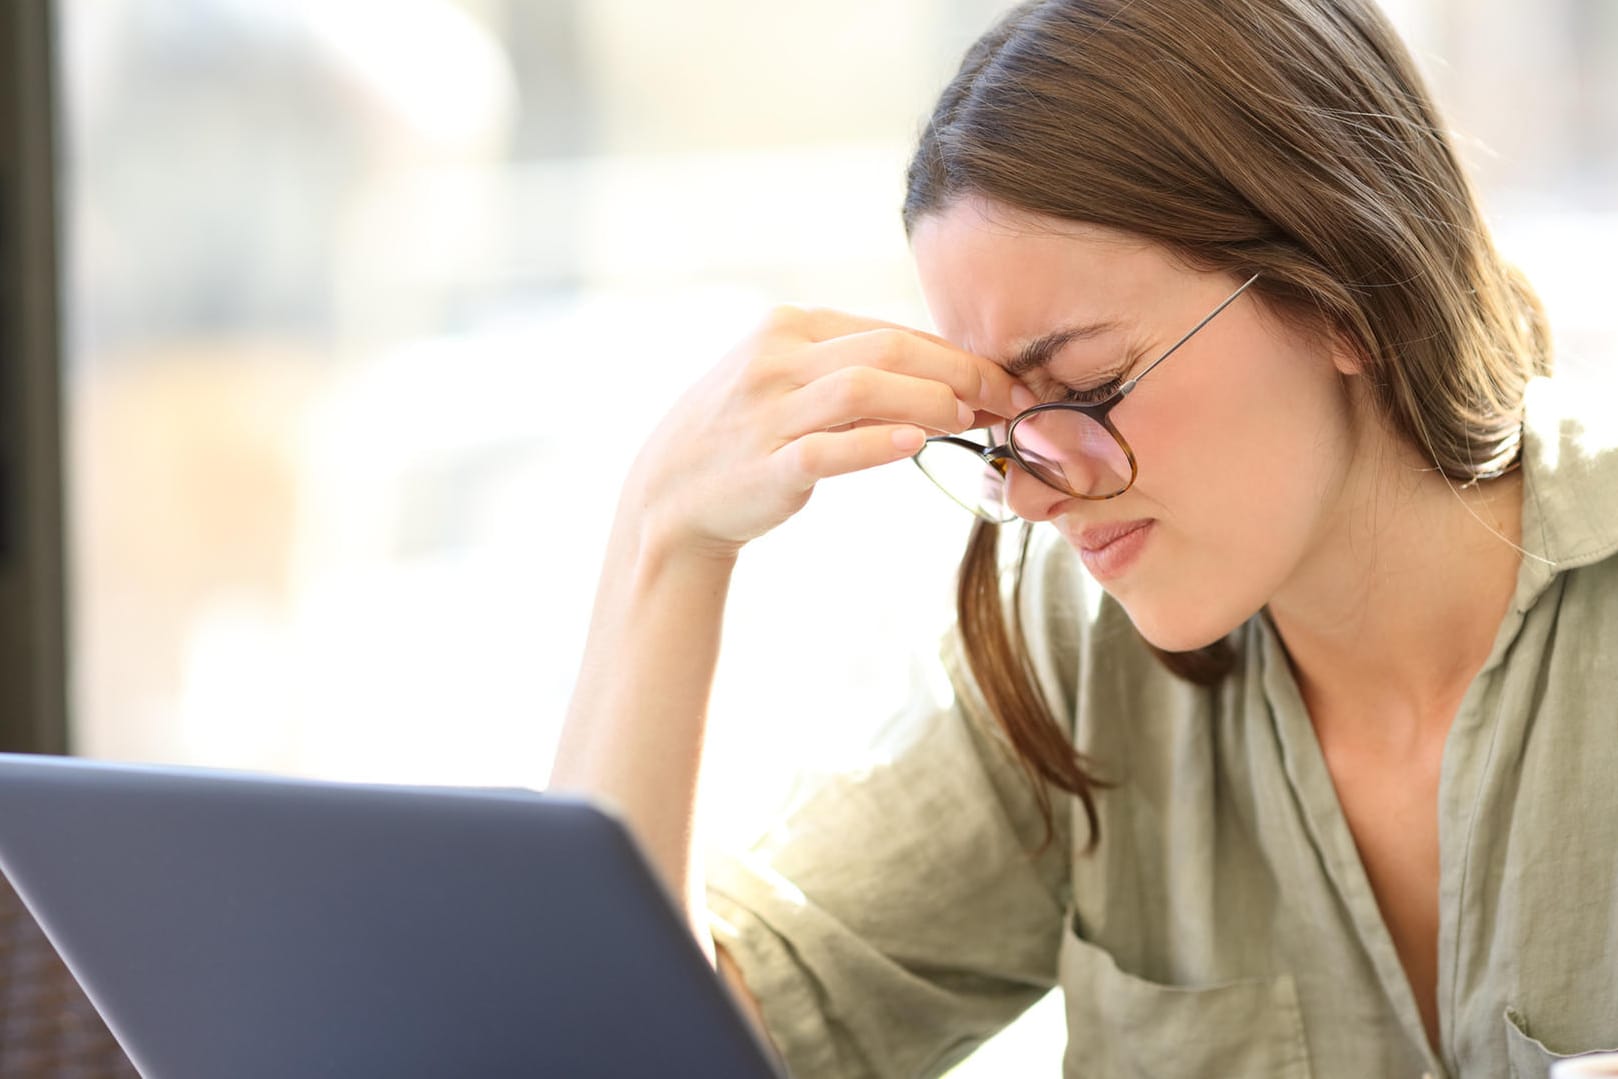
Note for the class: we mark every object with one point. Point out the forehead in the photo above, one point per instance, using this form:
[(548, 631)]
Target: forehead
[(996, 278)]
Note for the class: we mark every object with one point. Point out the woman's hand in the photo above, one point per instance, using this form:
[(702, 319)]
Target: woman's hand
[(807, 395), (811, 393)]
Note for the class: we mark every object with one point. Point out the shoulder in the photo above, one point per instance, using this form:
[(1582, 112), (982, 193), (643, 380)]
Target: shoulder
[(1570, 469)]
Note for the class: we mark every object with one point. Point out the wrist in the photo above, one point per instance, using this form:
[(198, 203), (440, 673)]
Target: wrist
[(660, 536), (664, 546)]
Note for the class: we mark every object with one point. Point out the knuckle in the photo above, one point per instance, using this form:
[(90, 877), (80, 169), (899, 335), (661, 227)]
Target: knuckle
[(785, 316), (967, 374), (751, 384), (853, 387), (888, 347), (806, 458), (811, 456)]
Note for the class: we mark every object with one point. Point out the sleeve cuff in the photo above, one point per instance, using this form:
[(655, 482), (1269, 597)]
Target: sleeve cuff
[(789, 998)]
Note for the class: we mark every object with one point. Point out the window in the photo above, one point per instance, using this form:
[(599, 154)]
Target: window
[(347, 282)]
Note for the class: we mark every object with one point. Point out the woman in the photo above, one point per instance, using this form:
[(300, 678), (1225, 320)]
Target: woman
[(1290, 751)]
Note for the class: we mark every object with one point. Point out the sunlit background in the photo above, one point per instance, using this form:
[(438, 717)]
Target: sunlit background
[(370, 303)]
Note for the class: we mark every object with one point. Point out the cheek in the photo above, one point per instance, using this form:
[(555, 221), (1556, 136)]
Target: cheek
[(1242, 478), (1242, 449)]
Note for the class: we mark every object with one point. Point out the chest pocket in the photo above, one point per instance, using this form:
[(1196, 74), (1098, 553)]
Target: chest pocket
[(1124, 1027), (1530, 1059)]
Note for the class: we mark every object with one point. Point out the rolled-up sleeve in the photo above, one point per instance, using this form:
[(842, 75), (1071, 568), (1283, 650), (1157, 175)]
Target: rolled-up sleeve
[(899, 915)]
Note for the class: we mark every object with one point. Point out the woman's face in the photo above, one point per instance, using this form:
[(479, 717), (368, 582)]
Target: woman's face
[(1243, 437)]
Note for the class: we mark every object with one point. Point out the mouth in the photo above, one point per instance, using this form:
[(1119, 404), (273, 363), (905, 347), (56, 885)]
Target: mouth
[(1100, 537), (1108, 551)]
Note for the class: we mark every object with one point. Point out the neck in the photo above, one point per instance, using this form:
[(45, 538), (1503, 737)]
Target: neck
[(1391, 618)]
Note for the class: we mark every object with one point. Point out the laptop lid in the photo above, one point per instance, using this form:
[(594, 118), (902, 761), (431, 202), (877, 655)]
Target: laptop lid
[(233, 924)]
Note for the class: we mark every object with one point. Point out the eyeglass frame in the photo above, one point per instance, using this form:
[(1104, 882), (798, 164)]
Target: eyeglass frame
[(998, 457)]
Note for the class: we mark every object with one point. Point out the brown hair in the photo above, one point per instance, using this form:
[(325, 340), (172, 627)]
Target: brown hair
[(1290, 138)]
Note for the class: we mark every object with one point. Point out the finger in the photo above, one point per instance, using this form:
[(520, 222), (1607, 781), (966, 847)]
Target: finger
[(1000, 391), (851, 395), (987, 419), (975, 380), (825, 323), (806, 461), (857, 424)]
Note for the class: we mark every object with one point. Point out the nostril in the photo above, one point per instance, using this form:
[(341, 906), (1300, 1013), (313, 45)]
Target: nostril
[(1030, 498)]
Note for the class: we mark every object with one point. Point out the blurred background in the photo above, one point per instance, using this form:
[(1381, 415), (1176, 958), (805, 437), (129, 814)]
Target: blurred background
[(369, 303)]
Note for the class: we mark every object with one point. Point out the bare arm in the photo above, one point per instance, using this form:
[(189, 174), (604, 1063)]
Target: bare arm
[(811, 394), (635, 728)]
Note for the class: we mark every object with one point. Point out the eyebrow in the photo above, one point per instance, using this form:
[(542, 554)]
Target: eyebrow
[(1038, 352)]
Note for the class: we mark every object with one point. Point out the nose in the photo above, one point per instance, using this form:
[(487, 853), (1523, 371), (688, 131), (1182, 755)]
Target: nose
[(1031, 498)]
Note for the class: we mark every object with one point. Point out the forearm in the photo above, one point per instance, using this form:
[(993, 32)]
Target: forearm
[(634, 731), (809, 395)]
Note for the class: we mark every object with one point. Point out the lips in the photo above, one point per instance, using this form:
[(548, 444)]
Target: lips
[(1108, 551), (1099, 537)]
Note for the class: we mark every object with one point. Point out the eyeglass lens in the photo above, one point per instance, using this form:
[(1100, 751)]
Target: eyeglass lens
[(967, 478), (1072, 452), (1063, 448)]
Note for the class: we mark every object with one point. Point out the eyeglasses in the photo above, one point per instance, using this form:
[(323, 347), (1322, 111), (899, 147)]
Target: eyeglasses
[(1067, 445)]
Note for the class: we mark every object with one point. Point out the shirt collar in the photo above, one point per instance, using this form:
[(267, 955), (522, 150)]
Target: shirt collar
[(1570, 483)]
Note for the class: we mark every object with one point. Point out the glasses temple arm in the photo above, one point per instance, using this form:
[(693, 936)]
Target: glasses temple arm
[(1127, 386)]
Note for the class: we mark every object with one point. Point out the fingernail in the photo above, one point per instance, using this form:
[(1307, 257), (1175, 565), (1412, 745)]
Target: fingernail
[(1023, 397), (966, 412)]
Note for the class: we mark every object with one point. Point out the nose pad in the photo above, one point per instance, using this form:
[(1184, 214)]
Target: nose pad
[(1030, 498)]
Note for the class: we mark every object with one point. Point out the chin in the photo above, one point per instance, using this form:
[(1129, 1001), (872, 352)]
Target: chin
[(1175, 628)]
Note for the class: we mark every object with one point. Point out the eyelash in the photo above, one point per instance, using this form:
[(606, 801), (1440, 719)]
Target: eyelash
[(1094, 394)]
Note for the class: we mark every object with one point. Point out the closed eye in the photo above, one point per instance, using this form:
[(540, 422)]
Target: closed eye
[(1092, 395)]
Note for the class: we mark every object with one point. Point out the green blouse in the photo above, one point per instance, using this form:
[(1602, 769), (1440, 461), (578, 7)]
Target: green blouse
[(897, 917)]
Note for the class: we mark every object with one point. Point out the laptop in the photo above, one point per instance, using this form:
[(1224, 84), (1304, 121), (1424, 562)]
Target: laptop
[(243, 925)]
